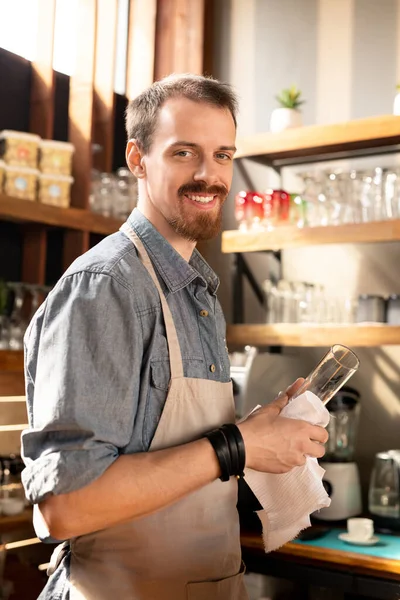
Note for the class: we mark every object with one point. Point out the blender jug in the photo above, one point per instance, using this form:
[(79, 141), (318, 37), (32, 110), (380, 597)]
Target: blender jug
[(341, 479), (344, 408)]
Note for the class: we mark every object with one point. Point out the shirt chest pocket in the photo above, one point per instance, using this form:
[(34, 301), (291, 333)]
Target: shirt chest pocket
[(160, 376)]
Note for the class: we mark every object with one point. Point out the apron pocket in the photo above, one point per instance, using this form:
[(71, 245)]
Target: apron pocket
[(231, 588)]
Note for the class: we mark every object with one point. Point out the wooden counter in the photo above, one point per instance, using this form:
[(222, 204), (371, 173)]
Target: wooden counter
[(350, 573)]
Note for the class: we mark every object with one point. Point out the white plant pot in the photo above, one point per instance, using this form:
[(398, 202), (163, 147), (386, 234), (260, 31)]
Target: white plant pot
[(285, 118), (396, 104)]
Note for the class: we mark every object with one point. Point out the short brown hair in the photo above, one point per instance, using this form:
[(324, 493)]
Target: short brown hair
[(141, 113)]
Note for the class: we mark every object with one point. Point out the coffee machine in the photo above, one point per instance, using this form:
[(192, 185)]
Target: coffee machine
[(341, 479)]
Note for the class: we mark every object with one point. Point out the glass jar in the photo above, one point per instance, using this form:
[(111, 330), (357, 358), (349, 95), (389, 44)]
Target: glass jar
[(12, 496)]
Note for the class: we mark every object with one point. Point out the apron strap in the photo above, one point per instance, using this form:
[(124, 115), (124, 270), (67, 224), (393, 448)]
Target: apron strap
[(175, 356)]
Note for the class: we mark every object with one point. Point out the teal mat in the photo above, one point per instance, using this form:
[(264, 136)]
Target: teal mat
[(387, 547)]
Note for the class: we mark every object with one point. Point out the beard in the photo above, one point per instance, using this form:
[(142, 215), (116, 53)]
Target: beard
[(204, 225)]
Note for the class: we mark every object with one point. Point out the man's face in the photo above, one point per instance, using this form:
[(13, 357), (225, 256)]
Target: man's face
[(188, 170)]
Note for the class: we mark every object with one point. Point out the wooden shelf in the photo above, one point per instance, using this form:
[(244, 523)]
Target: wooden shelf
[(287, 334), (15, 521), (294, 237), (11, 360), (22, 211), (301, 144)]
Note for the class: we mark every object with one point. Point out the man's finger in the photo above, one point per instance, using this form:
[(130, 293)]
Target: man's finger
[(292, 389), (280, 401)]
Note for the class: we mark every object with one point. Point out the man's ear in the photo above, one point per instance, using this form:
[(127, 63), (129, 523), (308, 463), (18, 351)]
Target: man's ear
[(134, 159)]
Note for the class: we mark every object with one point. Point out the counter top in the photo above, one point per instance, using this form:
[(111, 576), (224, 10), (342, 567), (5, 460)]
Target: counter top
[(376, 561)]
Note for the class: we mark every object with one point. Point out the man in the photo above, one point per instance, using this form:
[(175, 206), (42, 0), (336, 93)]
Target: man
[(127, 355)]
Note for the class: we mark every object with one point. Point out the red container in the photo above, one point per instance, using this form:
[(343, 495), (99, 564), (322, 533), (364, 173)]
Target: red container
[(249, 210), (276, 208)]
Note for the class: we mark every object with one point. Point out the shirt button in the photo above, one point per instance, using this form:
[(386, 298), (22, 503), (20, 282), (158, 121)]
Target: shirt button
[(212, 368), (204, 313)]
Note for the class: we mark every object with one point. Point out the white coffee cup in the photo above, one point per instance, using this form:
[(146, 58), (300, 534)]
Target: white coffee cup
[(360, 529)]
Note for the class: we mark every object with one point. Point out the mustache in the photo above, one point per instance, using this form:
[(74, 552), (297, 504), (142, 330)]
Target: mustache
[(201, 188)]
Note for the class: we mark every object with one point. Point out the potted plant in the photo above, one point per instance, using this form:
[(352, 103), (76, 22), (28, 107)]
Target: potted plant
[(288, 115), (396, 103)]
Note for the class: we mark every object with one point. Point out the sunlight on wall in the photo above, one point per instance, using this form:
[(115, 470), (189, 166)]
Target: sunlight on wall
[(18, 27), (64, 54), (19, 30)]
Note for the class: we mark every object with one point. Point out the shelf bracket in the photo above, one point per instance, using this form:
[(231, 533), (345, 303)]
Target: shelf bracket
[(240, 270)]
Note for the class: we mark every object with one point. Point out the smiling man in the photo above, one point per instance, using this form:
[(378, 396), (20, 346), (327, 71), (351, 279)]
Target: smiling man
[(132, 455)]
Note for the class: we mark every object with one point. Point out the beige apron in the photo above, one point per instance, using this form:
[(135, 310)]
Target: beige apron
[(187, 551)]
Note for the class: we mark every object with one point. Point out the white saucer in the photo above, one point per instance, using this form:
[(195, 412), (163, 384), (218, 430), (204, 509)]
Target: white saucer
[(346, 537)]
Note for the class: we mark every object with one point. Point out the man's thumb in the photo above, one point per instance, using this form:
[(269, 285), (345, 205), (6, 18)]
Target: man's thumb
[(281, 401)]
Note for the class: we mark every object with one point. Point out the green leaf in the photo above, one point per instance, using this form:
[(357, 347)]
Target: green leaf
[(290, 98)]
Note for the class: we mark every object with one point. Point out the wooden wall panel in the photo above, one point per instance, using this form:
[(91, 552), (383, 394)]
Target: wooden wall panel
[(34, 254), (179, 37), (43, 79), (103, 108), (80, 110), (75, 244), (81, 102), (41, 122), (141, 46), (12, 383)]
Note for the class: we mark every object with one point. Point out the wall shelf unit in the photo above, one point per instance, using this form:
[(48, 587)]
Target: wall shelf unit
[(374, 135), (11, 360), (302, 335), (24, 211), (293, 237), (321, 142)]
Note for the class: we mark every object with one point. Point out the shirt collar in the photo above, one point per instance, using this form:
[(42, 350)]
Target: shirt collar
[(175, 271)]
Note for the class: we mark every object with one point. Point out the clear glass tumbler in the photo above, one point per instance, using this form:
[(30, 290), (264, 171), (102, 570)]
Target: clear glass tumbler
[(331, 373)]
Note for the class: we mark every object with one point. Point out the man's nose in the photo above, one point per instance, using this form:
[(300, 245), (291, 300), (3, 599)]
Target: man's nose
[(207, 172)]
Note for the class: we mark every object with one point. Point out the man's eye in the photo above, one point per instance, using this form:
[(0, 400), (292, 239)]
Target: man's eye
[(223, 156), (183, 153)]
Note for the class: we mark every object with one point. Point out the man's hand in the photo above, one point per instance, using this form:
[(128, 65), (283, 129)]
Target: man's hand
[(275, 444)]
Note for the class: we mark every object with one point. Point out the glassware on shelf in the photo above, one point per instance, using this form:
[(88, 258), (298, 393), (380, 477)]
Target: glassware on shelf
[(316, 208), (249, 210), (113, 194), (22, 301), (297, 210), (126, 193), (350, 182), (371, 197), (392, 193), (12, 496), (276, 208), (18, 324), (307, 303)]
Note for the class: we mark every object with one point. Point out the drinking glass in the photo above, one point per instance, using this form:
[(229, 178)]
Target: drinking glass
[(331, 373), (249, 210), (317, 213), (334, 198)]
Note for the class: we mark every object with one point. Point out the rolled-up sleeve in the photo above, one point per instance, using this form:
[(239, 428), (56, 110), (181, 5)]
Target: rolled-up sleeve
[(82, 364)]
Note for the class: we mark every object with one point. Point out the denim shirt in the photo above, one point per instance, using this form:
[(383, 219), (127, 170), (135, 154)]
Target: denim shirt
[(96, 357)]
